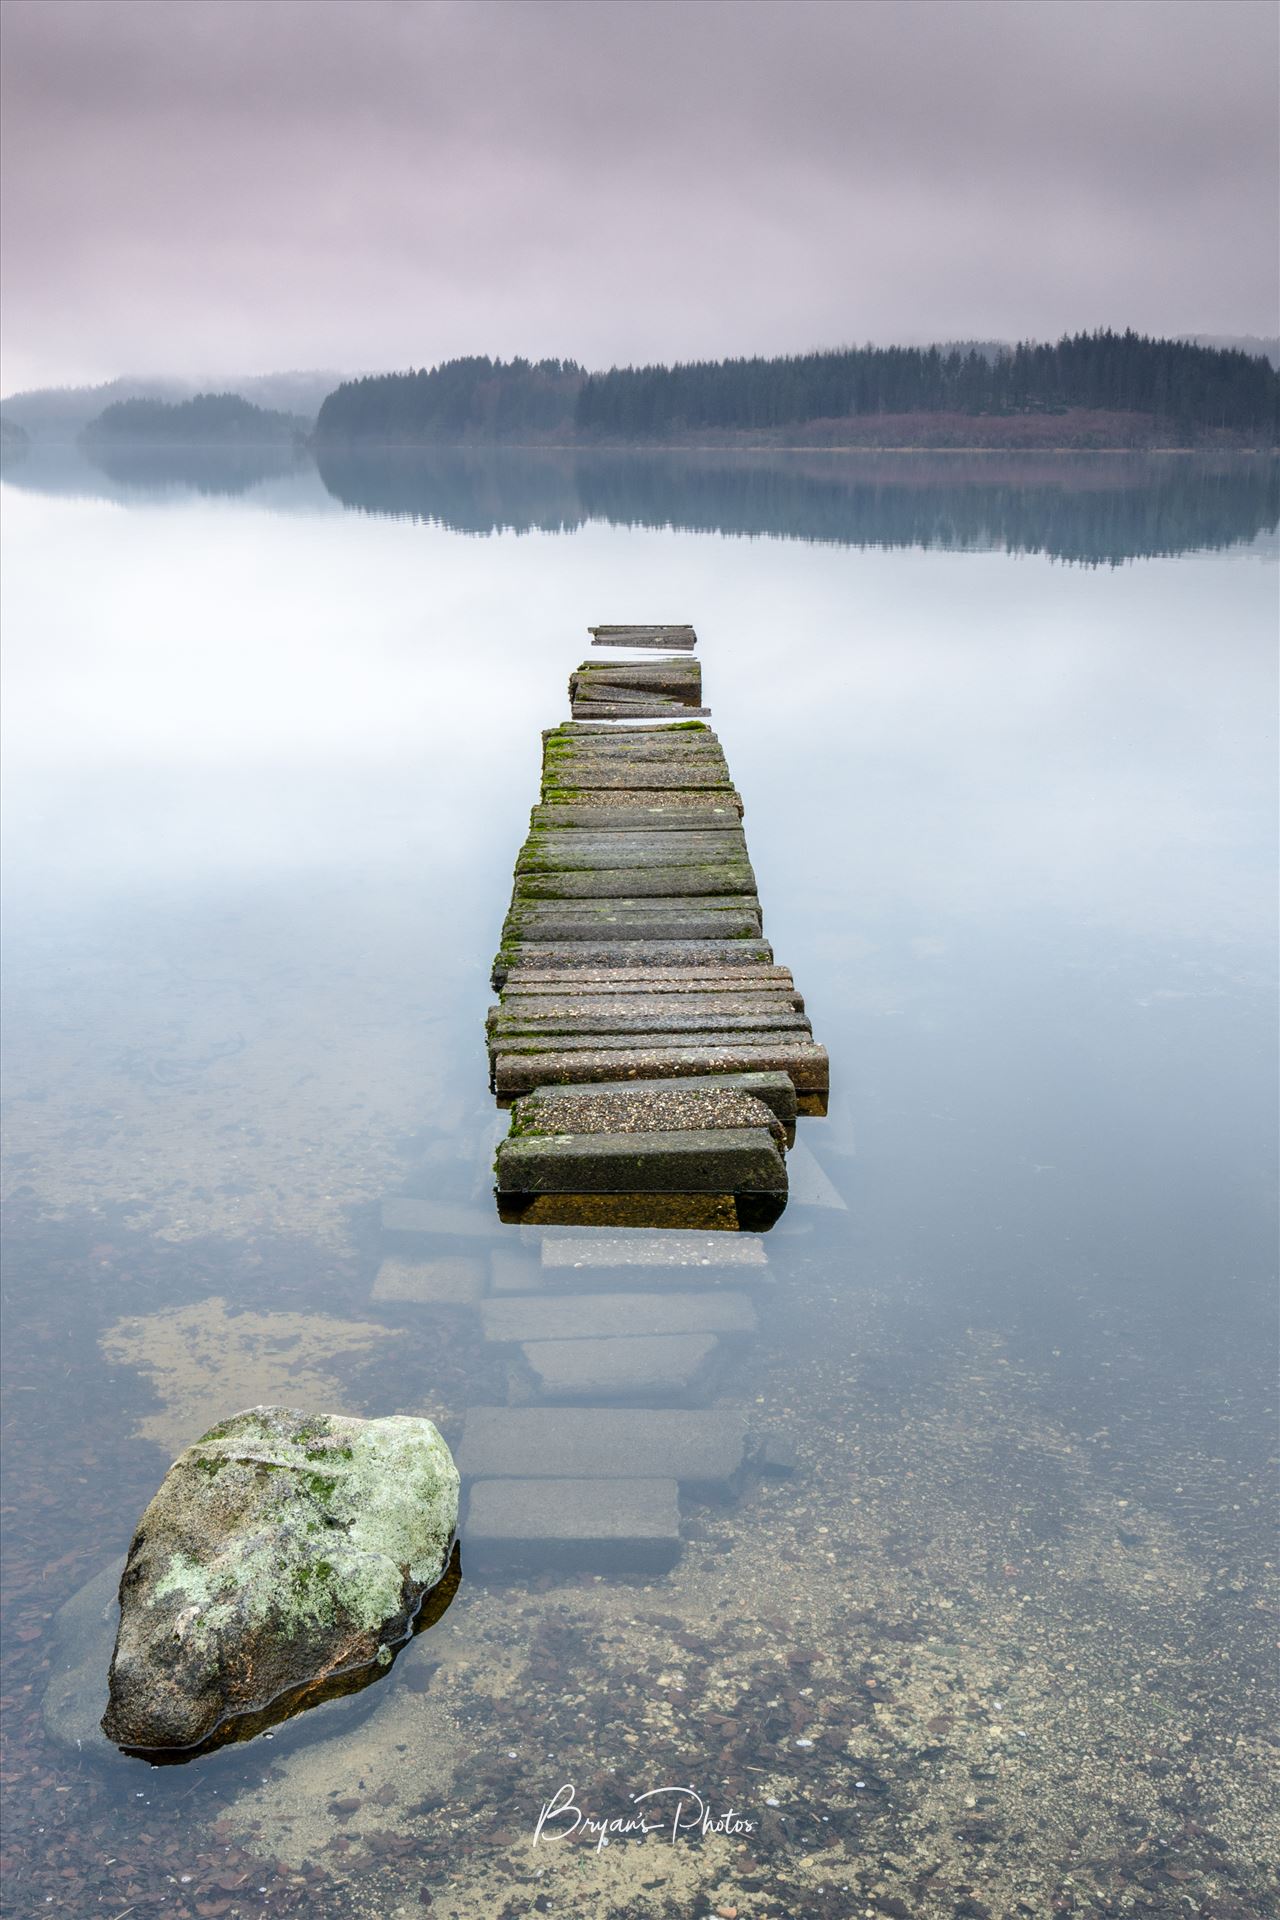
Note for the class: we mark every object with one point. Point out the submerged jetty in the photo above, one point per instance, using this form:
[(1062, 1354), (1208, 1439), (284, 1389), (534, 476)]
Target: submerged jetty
[(655, 1054)]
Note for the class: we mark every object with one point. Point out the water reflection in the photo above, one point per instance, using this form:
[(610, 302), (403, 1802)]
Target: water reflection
[(998, 1627), (1091, 509)]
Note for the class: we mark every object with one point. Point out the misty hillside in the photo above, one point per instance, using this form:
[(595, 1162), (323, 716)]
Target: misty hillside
[(60, 413), (215, 419)]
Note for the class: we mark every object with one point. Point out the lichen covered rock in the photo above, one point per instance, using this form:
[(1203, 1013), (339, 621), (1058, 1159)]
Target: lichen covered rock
[(282, 1552)]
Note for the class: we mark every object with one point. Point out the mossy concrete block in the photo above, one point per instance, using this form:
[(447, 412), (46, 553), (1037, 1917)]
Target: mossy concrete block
[(724, 918), (648, 813), (653, 1108), (601, 1526), (714, 978), (702, 1160), (514, 1031), (281, 1550), (618, 1316), (676, 637), (561, 954), (444, 1280), (669, 1369), (634, 776), (534, 1010), (805, 1064), (773, 1090), (570, 850), (683, 880), (703, 1449)]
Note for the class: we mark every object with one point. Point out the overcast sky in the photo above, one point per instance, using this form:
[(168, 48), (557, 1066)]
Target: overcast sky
[(248, 185)]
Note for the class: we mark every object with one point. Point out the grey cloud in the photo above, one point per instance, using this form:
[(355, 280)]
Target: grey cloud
[(232, 182)]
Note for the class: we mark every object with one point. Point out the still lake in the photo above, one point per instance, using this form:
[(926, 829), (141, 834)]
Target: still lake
[(1006, 733)]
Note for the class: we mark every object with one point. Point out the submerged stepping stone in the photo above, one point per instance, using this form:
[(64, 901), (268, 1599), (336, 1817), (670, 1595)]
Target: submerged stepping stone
[(448, 1280), (705, 1450), (618, 1316), (660, 1369), (805, 1064), (705, 1253), (773, 1090), (411, 1215), (727, 1160), (514, 1270), (642, 636), (600, 1526)]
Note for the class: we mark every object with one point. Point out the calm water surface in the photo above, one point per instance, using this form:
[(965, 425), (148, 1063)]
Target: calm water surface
[(1006, 736)]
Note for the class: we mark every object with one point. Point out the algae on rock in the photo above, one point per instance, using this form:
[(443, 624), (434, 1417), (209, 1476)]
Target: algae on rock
[(283, 1551)]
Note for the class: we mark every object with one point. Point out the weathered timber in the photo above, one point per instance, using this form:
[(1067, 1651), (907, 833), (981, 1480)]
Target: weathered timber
[(604, 1526), (804, 1063), (619, 1316), (705, 1450), (728, 1160)]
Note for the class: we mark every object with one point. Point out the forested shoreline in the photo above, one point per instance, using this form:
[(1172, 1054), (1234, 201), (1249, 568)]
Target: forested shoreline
[(1090, 390)]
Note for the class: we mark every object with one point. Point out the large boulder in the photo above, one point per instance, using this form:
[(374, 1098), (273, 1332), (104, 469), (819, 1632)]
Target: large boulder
[(285, 1554)]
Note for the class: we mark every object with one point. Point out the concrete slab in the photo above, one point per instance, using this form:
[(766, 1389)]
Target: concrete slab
[(548, 1010), (635, 775), (601, 1526), (703, 1449), (683, 880), (676, 637), (571, 849), (724, 918), (517, 1031), (650, 812), (617, 1316), (730, 1160), (514, 1271), (613, 952), (805, 1064), (446, 1280), (773, 1090), (646, 1108), (660, 1370)]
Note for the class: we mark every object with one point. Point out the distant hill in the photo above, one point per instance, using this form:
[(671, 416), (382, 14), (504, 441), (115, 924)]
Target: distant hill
[(210, 419), (60, 413), (13, 438), (1099, 389)]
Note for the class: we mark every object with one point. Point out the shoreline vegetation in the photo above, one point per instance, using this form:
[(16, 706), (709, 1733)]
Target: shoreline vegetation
[(1087, 392)]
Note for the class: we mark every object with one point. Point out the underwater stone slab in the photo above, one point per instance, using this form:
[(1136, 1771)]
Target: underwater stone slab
[(446, 1280), (701, 1252), (411, 1215), (705, 1160), (513, 1271), (617, 1316), (703, 1449), (773, 1090), (659, 1369), (602, 1526), (281, 1550), (806, 1065)]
